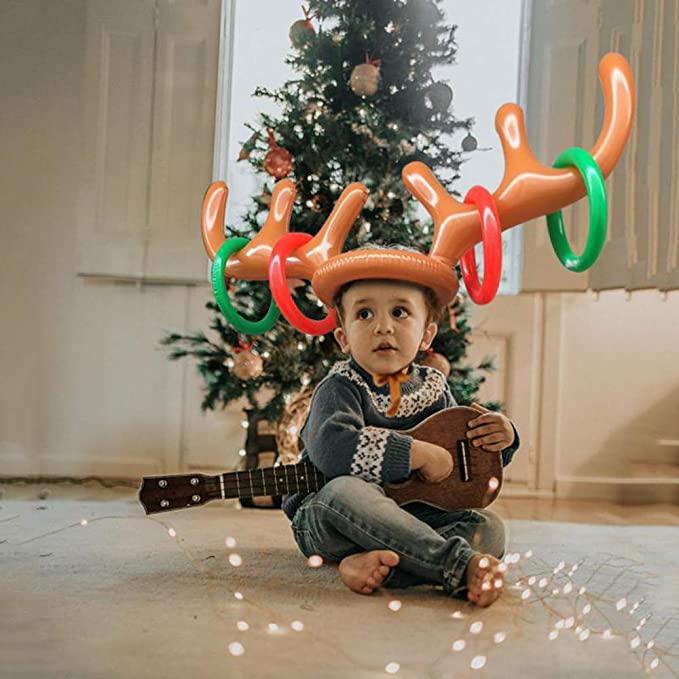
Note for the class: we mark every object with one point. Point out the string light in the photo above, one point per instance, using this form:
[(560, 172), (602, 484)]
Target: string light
[(476, 627), (395, 605), (315, 561), (499, 637), (235, 559), (478, 662), (236, 648), (238, 595), (459, 645), (172, 532), (297, 625), (242, 625), (392, 668), (230, 542)]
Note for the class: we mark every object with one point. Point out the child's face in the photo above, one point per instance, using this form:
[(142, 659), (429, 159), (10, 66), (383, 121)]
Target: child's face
[(376, 312)]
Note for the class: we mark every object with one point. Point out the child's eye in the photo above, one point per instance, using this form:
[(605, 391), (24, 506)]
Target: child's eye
[(400, 308), (360, 314)]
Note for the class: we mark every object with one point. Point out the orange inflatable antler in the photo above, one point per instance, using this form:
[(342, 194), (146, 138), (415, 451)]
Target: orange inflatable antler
[(528, 188), (252, 262)]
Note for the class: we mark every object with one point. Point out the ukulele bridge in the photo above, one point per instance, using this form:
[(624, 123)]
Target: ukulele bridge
[(463, 460)]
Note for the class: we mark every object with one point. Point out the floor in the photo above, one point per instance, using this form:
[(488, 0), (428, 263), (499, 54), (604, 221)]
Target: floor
[(91, 587)]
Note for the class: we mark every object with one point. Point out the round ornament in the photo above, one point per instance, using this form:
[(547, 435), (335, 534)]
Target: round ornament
[(302, 30), (440, 95), (469, 143), (365, 78), (278, 161), (247, 366)]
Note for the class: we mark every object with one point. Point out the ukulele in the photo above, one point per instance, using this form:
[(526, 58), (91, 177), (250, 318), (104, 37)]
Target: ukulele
[(475, 481)]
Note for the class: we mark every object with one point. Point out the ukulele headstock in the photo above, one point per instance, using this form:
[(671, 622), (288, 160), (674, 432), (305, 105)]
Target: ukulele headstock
[(170, 492)]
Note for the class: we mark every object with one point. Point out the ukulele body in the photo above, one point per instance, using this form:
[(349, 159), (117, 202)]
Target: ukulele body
[(476, 478)]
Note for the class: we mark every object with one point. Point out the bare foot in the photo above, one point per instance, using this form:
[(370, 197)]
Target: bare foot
[(364, 572), (485, 579)]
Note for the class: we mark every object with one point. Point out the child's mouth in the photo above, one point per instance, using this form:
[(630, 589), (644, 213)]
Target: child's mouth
[(386, 350)]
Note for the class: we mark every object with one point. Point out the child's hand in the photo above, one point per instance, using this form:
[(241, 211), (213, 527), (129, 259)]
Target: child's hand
[(492, 431)]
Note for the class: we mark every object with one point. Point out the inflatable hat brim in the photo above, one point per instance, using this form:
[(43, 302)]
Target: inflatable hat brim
[(397, 265)]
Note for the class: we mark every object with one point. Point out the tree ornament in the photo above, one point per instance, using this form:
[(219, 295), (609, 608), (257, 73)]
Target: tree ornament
[(438, 361), (365, 78), (302, 30), (246, 149), (265, 197), (469, 143), (247, 365), (440, 95), (318, 202), (454, 308), (278, 161)]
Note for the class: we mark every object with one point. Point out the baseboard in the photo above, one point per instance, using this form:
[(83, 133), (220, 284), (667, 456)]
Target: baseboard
[(616, 489), (19, 466)]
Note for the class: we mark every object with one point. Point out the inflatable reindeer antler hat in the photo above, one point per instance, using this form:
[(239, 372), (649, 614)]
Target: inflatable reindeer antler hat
[(527, 190)]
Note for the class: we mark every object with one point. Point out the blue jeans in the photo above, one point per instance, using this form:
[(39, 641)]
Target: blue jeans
[(349, 515)]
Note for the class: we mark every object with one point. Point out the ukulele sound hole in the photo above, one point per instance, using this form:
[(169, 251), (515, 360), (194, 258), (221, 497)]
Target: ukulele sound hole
[(463, 461)]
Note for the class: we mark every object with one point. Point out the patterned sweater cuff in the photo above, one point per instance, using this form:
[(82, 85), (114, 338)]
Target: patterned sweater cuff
[(397, 460)]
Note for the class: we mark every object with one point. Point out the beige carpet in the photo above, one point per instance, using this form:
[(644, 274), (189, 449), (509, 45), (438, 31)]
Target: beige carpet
[(122, 597)]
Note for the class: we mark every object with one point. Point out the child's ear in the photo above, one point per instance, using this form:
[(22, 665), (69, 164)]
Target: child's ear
[(341, 338), (429, 335)]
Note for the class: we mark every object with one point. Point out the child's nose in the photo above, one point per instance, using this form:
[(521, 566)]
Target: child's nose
[(384, 323)]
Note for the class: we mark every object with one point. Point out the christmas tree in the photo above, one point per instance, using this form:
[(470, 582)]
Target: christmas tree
[(364, 104)]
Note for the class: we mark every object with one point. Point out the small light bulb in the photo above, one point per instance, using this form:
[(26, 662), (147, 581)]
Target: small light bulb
[(392, 668), (230, 542), (236, 648), (553, 635), (83, 522), (476, 627), (459, 645), (238, 595), (607, 634), (297, 625), (242, 625), (525, 594), (528, 554), (235, 559), (315, 561), (621, 604), (457, 614), (478, 662), (499, 637), (172, 532), (395, 605), (634, 643), (654, 663)]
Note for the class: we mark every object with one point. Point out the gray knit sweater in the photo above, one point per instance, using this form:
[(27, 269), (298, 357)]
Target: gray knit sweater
[(347, 430)]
